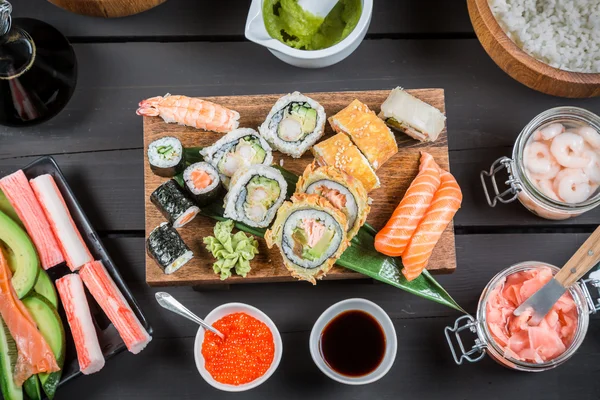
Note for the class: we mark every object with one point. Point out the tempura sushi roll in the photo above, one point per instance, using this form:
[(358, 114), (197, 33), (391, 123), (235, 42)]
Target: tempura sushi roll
[(255, 194), (369, 133), (173, 204), (343, 191), (412, 116), (167, 248), (202, 182), (294, 124), (310, 234), (239, 148), (165, 156), (339, 152)]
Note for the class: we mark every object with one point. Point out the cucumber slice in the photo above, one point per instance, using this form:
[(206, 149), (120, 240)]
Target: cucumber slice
[(8, 359), (25, 260), (45, 288), (8, 209), (50, 326), (32, 388)]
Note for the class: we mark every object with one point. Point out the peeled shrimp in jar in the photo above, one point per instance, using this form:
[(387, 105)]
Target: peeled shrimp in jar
[(547, 188), (568, 149), (549, 132), (592, 170), (539, 161), (573, 185), (590, 135)]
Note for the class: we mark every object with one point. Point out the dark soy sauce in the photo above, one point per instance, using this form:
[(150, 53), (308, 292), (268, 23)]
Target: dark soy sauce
[(353, 343)]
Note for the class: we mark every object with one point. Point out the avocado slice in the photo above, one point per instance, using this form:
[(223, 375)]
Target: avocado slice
[(45, 288), (270, 186), (24, 258), (321, 247), (50, 326), (32, 388), (8, 209), (8, 359)]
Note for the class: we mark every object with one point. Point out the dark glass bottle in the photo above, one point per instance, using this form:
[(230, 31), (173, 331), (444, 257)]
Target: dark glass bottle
[(38, 70)]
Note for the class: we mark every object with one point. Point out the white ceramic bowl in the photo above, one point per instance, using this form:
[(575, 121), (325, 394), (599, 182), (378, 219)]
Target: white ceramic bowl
[(220, 312), (388, 329), (257, 32)]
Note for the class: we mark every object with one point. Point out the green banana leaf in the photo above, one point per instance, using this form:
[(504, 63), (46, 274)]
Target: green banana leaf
[(360, 257)]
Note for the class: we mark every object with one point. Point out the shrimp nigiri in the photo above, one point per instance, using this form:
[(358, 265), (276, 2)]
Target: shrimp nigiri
[(395, 235), (190, 111), (444, 205)]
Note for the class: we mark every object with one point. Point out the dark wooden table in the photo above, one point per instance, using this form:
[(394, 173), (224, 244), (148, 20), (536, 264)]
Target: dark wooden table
[(197, 48)]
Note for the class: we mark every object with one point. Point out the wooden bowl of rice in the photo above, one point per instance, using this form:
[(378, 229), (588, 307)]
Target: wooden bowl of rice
[(523, 67)]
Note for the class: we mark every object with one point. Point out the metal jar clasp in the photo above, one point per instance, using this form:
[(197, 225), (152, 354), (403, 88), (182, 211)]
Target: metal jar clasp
[(512, 182), (593, 302), (466, 322)]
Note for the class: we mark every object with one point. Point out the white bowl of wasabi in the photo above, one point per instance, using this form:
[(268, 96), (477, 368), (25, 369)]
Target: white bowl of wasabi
[(323, 54)]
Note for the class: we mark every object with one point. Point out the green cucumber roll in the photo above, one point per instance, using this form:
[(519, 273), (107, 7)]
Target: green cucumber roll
[(294, 124), (255, 194), (202, 182), (343, 191), (239, 148), (311, 235), (167, 248), (173, 203), (165, 156)]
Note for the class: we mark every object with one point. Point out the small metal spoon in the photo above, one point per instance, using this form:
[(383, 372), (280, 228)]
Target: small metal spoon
[(168, 302)]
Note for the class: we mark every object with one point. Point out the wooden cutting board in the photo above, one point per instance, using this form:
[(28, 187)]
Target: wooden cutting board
[(107, 8), (395, 175)]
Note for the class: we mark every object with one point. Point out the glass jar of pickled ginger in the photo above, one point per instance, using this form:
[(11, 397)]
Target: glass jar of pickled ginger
[(555, 166), (508, 339)]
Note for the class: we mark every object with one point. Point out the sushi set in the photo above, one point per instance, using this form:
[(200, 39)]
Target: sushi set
[(49, 255), (292, 151)]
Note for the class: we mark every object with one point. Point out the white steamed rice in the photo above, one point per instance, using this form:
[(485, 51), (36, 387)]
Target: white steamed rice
[(562, 33)]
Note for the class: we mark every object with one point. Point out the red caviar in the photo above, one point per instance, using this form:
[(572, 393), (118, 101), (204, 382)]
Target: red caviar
[(246, 353)]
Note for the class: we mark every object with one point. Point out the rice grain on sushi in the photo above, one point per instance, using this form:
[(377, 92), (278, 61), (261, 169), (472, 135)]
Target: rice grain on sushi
[(310, 234), (165, 156), (167, 248), (239, 148), (294, 124), (255, 194), (173, 203), (414, 117), (343, 191), (202, 182)]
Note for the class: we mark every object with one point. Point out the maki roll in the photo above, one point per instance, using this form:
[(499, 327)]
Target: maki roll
[(239, 148), (165, 156), (202, 182), (174, 205), (311, 235), (167, 248), (343, 191), (294, 124), (255, 194)]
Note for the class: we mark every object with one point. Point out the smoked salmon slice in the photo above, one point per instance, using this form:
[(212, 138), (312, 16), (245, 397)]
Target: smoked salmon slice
[(444, 205), (395, 235), (35, 355)]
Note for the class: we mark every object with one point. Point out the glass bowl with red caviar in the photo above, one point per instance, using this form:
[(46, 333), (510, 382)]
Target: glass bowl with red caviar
[(248, 356)]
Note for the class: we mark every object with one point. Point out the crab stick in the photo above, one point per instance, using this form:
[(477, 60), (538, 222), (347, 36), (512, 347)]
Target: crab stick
[(70, 241), (20, 195), (114, 305), (77, 310)]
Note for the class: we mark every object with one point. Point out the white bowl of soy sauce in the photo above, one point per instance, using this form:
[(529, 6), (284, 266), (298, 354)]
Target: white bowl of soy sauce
[(354, 342)]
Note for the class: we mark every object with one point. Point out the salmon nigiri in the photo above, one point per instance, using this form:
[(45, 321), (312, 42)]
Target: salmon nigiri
[(190, 111), (395, 235), (444, 205), (35, 355)]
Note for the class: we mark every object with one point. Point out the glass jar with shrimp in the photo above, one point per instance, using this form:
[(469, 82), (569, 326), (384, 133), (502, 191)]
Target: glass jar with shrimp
[(508, 339), (555, 166)]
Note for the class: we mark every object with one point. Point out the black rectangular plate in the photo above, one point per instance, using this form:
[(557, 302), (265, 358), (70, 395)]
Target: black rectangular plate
[(110, 341)]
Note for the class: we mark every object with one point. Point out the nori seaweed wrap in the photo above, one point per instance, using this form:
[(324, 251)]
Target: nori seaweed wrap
[(167, 248), (165, 156), (173, 203), (202, 183)]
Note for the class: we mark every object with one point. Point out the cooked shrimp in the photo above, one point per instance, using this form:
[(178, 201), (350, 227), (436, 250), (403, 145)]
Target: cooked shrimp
[(545, 186), (537, 158), (549, 132), (592, 170), (568, 148), (190, 111), (573, 185), (590, 135)]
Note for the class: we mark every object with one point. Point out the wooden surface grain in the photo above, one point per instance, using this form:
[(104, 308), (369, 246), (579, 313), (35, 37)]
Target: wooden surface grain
[(523, 67), (395, 175), (107, 8), (196, 47)]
